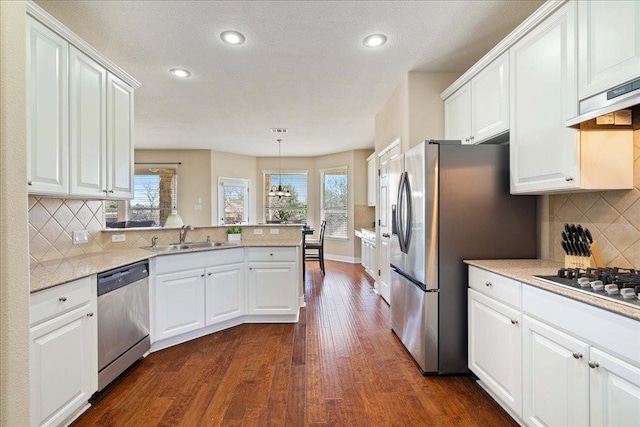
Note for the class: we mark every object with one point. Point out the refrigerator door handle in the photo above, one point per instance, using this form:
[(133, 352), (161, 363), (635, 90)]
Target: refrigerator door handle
[(407, 232), (394, 221), (399, 214)]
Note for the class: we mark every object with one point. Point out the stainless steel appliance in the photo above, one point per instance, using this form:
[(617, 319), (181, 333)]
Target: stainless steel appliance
[(623, 96), (452, 203), (621, 285), (123, 319)]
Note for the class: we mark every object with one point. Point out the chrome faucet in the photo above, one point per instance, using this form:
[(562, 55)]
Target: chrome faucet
[(183, 233), (154, 241)]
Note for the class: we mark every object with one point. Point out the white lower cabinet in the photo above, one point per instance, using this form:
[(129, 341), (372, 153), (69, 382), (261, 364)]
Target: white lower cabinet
[(614, 388), (495, 348), (225, 293), (63, 352), (179, 303), (555, 377), (270, 288)]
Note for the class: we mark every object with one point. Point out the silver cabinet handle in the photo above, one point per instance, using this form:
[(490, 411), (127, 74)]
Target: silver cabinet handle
[(488, 284), (593, 364), (62, 299), (568, 179), (387, 235), (514, 322), (89, 314), (577, 355), (110, 191), (29, 182)]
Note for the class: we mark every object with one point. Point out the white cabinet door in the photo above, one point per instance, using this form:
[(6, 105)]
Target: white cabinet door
[(273, 288), (119, 138), (384, 277), (179, 303), (88, 133), (371, 180), (614, 387), (63, 354), (225, 293), (363, 252), (543, 151), (555, 377), (47, 110), (490, 100), (609, 44), (457, 111), (495, 348)]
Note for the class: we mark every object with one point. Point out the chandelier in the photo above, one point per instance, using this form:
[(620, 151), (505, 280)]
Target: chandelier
[(279, 190)]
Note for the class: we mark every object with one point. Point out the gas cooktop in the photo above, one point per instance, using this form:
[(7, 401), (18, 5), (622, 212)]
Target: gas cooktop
[(621, 285)]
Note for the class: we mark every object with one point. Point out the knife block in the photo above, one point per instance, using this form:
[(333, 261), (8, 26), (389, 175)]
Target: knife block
[(593, 261)]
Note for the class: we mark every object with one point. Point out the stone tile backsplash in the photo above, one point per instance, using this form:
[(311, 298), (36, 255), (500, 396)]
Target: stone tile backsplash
[(613, 217)]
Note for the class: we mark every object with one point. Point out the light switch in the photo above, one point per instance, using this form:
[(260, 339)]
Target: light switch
[(274, 230), (118, 237), (257, 231), (80, 237)]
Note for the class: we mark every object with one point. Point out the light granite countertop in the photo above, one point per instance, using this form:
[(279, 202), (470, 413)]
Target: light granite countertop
[(524, 269), (56, 272)]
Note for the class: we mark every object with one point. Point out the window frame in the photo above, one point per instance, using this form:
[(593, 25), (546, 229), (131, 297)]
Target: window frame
[(265, 191), (236, 182), (323, 172)]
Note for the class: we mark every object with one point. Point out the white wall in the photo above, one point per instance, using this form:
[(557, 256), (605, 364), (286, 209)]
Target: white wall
[(14, 250)]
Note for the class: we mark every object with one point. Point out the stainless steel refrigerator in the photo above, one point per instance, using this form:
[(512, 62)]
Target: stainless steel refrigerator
[(450, 202)]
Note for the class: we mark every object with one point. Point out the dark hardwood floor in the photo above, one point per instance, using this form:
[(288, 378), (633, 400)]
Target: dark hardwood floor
[(340, 365)]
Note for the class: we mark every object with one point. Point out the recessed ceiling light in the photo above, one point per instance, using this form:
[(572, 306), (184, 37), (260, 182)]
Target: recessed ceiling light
[(232, 37), (374, 40), (180, 72)]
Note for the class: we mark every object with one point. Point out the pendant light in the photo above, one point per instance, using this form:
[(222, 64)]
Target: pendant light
[(279, 191)]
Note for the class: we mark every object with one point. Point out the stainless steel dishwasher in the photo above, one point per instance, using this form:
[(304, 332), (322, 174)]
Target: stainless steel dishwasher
[(123, 319)]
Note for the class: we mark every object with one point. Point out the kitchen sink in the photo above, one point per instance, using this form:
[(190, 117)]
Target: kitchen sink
[(185, 246)]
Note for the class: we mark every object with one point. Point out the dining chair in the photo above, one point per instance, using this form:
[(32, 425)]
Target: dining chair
[(317, 247)]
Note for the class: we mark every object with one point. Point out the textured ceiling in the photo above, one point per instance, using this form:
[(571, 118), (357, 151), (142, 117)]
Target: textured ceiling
[(303, 65)]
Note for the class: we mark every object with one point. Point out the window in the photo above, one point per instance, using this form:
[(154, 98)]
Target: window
[(155, 194), (334, 202), (233, 200), (291, 209)]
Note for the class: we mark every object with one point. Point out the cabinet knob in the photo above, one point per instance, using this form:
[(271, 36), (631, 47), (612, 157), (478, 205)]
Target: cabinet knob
[(568, 179), (514, 322), (29, 182), (202, 275), (89, 314), (488, 284), (577, 355), (111, 191), (250, 268), (105, 191), (466, 140), (62, 299), (387, 235), (209, 274), (592, 364), (270, 254), (471, 138)]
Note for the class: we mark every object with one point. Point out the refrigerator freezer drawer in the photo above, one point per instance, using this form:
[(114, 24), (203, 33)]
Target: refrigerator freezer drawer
[(414, 319)]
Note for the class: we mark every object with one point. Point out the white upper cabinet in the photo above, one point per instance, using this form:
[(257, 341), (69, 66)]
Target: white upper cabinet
[(544, 152), (479, 110), (609, 44), (457, 115), (119, 138), (88, 113), (490, 100), (47, 110), (80, 115), (371, 180)]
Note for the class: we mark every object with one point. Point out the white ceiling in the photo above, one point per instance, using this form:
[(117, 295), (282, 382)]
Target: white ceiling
[(303, 65)]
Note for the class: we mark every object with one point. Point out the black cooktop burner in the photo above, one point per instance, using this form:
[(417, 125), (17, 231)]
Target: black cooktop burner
[(618, 284)]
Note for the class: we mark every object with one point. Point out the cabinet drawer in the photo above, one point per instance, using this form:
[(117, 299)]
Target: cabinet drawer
[(499, 287), (51, 302), (189, 261), (272, 254)]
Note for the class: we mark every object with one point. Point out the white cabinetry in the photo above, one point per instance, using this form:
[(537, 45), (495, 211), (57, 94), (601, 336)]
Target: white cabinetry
[(495, 348), (614, 387), (555, 377), (63, 351), (179, 303), (47, 110), (273, 273), (368, 252), (609, 45), (88, 113), (544, 152), (371, 180), (480, 109), (79, 116), (224, 289)]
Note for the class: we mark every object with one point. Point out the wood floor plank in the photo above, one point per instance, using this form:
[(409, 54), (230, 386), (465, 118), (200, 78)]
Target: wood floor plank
[(339, 365)]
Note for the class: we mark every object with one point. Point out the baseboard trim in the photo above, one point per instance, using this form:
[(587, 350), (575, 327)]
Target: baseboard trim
[(340, 258)]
